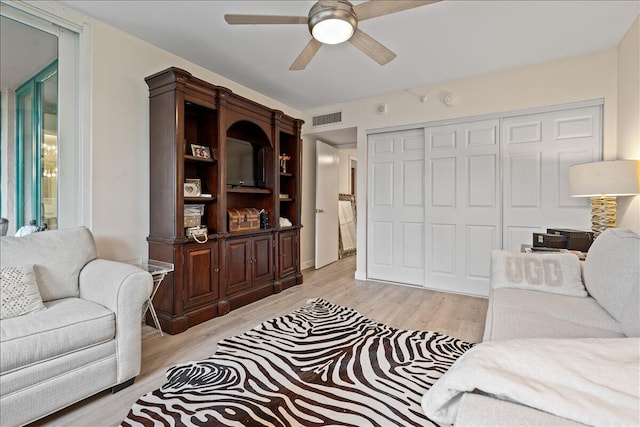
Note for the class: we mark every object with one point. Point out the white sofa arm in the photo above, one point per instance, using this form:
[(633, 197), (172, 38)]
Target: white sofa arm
[(122, 288)]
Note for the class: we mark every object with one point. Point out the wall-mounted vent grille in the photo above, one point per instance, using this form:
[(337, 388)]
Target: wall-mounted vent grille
[(327, 119)]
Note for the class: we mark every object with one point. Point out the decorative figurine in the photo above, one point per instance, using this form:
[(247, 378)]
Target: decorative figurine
[(283, 162)]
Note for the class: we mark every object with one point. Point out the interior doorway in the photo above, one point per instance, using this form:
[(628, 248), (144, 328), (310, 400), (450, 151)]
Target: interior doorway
[(345, 142)]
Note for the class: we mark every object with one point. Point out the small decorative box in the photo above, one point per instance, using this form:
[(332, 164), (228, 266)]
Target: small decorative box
[(243, 219)]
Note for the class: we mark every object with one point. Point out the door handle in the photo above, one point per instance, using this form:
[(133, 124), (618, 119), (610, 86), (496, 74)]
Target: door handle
[(319, 210)]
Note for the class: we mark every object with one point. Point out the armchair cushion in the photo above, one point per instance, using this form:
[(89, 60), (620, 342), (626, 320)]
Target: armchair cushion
[(68, 325), (58, 256)]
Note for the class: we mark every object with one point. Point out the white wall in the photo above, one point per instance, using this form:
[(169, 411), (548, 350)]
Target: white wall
[(573, 79), (629, 117), (120, 135)]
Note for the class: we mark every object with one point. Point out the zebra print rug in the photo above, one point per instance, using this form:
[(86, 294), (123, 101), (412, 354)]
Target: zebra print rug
[(322, 365)]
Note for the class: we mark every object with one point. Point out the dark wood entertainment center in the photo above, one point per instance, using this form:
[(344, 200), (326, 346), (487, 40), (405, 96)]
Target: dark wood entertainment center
[(232, 268)]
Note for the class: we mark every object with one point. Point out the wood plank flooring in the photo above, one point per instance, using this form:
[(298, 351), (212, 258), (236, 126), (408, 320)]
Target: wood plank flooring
[(398, 306)]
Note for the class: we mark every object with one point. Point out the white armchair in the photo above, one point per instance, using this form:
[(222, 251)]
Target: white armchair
[(88, 337)]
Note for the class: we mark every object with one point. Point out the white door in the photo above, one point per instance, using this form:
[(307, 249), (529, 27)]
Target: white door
[(395, 214), (326, 204), (463, 208), (537, 150)]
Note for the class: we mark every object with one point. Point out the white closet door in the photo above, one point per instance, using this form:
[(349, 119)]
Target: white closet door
[(537, 150), (395, 225), (463, 208)]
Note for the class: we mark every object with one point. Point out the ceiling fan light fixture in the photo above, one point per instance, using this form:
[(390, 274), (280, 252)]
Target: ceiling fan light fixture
[(332, 31), (332, 24)]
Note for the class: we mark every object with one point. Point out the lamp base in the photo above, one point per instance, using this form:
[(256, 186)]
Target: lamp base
[(603, 213)]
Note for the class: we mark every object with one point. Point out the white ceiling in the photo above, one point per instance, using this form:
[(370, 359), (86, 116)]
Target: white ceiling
[(441, 42)]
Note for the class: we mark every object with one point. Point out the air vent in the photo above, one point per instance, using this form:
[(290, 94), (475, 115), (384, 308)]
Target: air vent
[(327, 119)]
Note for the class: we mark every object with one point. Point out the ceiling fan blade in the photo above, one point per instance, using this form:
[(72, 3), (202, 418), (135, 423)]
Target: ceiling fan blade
[(306, 55), (375, 8), (264, 19), (371, 47)]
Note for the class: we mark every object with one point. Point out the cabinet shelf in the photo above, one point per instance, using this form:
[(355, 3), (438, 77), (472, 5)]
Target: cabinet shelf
[(287, 199), (200, 199), (190, 158), (250, 232), (249, 190), (287, 174)]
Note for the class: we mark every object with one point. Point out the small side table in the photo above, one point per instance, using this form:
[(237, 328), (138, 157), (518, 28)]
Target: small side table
[(158, 270)]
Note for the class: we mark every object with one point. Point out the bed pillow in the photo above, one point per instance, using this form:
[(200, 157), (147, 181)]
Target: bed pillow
[(19, 291), (553, 273)]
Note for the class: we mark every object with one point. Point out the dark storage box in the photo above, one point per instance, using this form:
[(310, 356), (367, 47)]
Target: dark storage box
[(547, 240), (577, 240), (244, 219)]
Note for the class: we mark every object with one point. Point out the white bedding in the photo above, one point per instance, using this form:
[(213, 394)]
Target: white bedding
[(594, 381)]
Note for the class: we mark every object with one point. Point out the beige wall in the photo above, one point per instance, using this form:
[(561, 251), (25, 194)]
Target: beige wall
[(573, 79), (629, 117), (120, 176), (120, 135)]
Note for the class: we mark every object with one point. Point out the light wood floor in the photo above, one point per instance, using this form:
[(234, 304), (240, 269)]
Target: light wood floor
[(398, 306)]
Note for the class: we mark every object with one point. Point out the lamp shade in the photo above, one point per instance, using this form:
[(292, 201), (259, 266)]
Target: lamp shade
[(610, 178)]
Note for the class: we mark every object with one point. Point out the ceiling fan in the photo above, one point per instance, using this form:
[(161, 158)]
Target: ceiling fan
[(336, 21)]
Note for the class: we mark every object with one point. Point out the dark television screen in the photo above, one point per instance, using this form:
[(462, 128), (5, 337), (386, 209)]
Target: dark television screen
[(245, 164)]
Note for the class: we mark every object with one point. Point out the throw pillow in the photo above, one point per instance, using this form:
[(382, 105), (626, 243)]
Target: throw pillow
[(554, 273), (19, 291)]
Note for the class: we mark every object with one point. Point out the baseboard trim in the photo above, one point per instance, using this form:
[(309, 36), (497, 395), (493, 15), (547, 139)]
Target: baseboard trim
[(360, 275)]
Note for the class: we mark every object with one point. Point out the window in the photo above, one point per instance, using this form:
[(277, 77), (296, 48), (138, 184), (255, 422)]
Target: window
[(46, 138), (37, 149)]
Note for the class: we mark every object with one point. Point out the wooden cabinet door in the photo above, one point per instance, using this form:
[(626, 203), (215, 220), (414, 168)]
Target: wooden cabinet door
[(262, 262), (287, 251), (201, 274), (238, 264)]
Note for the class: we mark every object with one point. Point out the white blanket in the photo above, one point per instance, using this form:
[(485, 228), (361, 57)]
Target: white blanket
[(594, 381)]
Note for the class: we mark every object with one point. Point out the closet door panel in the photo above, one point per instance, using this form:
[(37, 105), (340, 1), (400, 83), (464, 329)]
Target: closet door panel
[(481, 176), (395, 214), (443, 182), (463, 211), (523, 170), (480, 240), (443, 245), (537, 150)]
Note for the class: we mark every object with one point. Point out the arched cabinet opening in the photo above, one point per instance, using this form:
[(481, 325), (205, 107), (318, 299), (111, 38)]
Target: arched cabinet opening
[(249, 159)]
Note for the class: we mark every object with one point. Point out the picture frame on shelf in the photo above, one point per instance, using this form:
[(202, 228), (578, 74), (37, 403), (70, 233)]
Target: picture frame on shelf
[(192, 187), (200, 151), (190, 190)]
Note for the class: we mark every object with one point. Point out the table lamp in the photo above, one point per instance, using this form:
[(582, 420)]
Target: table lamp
[(603, 182)]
